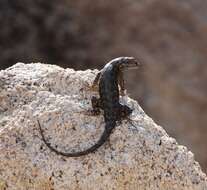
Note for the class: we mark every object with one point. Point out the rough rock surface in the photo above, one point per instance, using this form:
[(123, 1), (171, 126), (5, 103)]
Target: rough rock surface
[(169, 36), (139, 156)]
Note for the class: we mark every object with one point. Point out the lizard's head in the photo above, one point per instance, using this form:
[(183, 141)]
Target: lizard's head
[(126, 62)]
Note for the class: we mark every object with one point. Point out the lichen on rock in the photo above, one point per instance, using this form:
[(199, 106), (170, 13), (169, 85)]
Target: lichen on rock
[(140, 154)]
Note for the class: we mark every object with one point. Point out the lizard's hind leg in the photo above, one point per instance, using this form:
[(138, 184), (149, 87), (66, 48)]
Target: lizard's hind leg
[(124, 112)]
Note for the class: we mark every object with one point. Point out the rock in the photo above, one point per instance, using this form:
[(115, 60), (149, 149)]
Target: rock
[(140, 154), (169, 37)]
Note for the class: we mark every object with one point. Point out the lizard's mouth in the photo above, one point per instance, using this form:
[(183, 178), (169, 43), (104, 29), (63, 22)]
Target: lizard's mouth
[(132, 63)]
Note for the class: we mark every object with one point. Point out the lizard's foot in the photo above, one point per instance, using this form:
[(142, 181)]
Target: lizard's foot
[(124, 112)]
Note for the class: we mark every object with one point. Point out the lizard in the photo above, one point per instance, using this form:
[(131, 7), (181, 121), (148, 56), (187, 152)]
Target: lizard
[(108, 81)]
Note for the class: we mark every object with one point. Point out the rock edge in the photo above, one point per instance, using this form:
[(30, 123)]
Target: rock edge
[(139, 156)]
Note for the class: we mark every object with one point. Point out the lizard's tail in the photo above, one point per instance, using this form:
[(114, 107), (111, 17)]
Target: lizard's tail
[(107, 131)]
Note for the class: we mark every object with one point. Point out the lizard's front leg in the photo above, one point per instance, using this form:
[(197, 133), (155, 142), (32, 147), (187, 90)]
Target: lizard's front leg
[(121, 83)]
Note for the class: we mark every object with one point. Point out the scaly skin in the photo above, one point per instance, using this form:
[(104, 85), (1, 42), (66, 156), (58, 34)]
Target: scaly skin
[(108, 78)]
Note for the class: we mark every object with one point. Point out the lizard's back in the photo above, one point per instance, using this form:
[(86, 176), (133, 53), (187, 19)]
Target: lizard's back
[(109, 92)]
